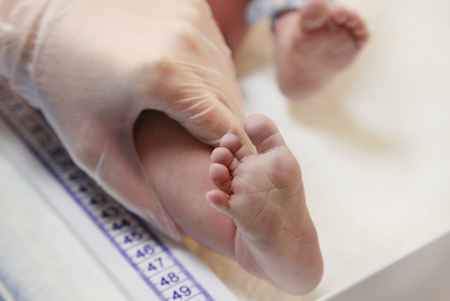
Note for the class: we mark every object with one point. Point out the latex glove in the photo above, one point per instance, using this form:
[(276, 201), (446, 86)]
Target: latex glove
[(92, 66)]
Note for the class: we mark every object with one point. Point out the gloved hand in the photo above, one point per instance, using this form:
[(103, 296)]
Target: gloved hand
[(92, 66)]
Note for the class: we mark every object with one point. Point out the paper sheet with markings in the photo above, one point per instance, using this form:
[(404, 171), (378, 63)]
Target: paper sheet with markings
[(62, 238)]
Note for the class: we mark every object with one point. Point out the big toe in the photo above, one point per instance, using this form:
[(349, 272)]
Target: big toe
[(315, 14), (263, 133)]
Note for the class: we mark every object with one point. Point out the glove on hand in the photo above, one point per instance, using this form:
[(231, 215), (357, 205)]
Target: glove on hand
[(92, 66)]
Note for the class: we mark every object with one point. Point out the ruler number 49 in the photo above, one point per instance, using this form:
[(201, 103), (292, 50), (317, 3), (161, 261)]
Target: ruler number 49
[(182, 292)]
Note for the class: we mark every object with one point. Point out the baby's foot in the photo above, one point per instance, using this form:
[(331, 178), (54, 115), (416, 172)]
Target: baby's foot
[(314, 43), (262, 192)]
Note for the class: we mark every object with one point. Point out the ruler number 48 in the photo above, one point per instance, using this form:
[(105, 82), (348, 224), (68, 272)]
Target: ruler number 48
[(170, 278)]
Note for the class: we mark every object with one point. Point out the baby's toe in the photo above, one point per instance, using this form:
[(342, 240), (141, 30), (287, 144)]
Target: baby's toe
[(360, 32), (263, 133), (353, 19), (340, 15), (219, 200), (234, 144), (314, 14), (353, 22), (222, 155), (220, 176)]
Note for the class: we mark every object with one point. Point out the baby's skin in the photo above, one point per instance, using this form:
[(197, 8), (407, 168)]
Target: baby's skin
[(254, 210)]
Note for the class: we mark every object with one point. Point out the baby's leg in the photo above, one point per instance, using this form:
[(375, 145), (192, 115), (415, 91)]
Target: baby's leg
[(177, 166), (263, 193)]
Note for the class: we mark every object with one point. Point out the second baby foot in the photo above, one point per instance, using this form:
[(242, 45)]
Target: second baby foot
[(314, 43), (262, 192)]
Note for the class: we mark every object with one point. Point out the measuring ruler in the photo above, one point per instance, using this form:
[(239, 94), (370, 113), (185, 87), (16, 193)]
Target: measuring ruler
[(139, 247)]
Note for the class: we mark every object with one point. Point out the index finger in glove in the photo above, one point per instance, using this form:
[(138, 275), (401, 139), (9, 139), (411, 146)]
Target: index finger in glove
[(202, 99)]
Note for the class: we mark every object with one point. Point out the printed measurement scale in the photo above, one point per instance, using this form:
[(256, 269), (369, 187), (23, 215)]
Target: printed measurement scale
[(142, 250)]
